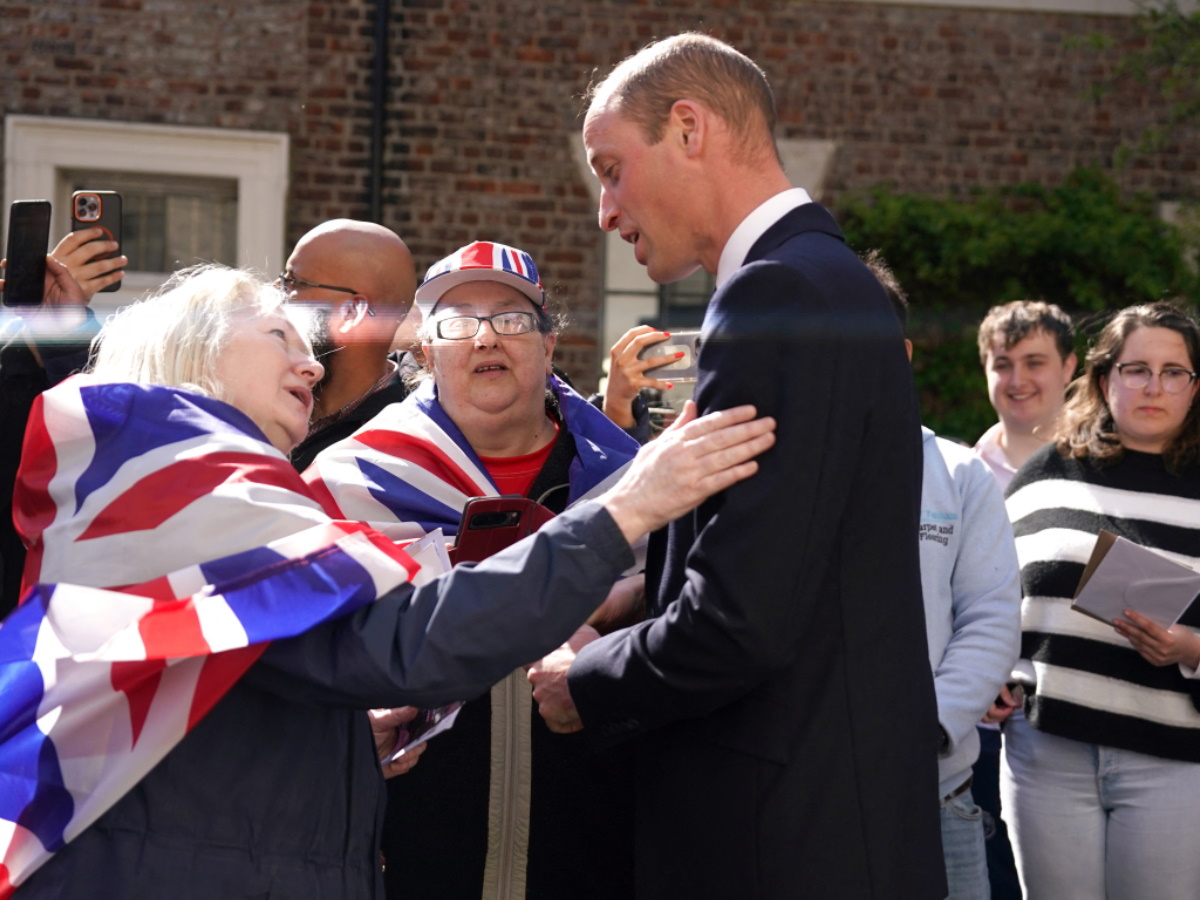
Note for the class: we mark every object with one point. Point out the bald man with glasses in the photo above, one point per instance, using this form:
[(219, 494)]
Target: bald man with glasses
[(359, 279)]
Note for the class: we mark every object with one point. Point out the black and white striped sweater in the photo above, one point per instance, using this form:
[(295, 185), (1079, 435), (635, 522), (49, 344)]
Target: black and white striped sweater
[(1092, 686)]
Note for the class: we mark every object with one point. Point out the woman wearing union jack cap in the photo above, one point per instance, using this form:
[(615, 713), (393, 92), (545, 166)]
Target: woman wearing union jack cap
[(183, 689), (490, 418)]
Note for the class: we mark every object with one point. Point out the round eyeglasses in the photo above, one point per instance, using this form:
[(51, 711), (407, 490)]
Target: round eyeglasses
[(462, 328), (1173, 379)]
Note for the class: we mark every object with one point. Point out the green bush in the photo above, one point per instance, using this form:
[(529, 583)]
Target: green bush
[(1080, 245)]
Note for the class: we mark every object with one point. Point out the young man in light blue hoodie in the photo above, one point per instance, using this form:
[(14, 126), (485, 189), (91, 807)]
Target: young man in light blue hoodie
[(971, 584)]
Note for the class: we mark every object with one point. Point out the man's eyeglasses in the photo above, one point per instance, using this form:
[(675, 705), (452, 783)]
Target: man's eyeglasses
[(462, 328), (1173, 379), (290, 284)]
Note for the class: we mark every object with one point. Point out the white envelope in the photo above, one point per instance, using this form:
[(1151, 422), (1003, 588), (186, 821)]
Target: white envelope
[(1123, 575)]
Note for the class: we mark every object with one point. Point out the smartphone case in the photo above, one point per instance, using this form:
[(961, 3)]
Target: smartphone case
[(102, 208)]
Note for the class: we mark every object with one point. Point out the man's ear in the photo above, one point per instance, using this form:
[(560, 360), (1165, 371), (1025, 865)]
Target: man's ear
[(551, 340), (351, 313), (688, 122)]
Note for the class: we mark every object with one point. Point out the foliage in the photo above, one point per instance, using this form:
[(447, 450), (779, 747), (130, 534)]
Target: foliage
[(952, 387), (1080, 245), (1167, 60)]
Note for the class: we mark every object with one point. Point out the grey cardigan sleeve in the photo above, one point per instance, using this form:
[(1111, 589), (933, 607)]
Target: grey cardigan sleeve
[(455, 637)]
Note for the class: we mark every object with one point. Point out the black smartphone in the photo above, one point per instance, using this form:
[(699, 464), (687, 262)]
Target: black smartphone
[(28, 241), (489, 524), (682, 369), (102, 208)]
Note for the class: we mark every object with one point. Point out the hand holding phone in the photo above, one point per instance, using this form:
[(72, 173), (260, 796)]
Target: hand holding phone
[(1010, 699), (102, 210), (1016, 694), (77, 250), (683, 346), (631, 360)]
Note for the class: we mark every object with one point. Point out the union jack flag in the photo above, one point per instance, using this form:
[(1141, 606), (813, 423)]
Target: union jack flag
[(120, 483), (214, 547), (487, 255), (481, 260), (410, 470)]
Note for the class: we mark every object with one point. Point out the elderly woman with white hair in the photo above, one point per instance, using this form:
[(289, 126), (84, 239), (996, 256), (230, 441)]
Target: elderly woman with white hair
[(198, 728)]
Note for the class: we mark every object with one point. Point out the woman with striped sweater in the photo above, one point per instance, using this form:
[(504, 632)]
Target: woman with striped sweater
[(1101, 777)]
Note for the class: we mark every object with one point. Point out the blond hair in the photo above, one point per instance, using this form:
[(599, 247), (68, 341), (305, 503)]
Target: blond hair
[(174, 337), (697, 67)]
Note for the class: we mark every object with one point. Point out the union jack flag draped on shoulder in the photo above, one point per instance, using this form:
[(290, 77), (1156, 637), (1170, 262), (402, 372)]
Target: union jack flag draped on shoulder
[(410, 470), (169, 543)]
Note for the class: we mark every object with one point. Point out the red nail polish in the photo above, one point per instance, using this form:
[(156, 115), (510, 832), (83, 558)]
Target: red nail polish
[(666, 334), (680, 355)]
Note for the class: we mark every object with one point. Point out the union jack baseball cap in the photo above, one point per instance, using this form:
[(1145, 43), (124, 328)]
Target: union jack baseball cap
[(481, 261)]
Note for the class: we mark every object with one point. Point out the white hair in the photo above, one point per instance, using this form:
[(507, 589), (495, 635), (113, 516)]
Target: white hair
[(174, 337)]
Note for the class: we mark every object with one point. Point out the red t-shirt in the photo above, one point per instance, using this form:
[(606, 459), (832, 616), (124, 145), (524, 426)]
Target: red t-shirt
[(516, 474)]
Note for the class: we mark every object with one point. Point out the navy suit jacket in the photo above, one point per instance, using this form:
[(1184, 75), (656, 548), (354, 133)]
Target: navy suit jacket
[(781, 693)]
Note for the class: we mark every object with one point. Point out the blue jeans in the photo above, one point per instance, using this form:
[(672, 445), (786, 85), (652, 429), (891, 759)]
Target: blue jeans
[(963, 847), (1091, 822)]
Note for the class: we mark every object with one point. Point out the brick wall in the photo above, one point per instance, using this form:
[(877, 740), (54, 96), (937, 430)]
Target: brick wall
[(941, 100), (275, 65), (483, 102), (931, 99)]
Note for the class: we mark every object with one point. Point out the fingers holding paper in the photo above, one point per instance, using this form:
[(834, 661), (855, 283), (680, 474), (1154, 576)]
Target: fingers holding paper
[(1159, 646), (385, 727), (404, 762)]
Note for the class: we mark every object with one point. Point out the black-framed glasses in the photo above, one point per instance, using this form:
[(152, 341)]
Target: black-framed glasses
[(462, 328), (1173, 379), (290, 284)]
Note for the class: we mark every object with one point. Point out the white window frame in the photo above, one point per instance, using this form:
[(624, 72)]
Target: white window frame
[(38, 148)]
